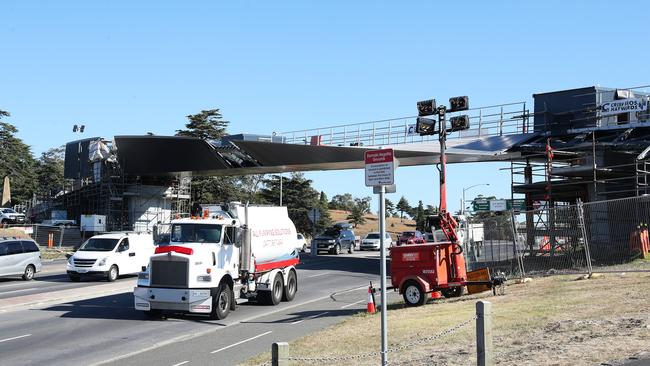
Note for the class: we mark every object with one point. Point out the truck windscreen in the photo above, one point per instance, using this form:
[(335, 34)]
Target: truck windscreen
[(195, 233)]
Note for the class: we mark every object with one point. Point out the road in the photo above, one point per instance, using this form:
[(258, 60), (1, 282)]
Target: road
[(105, 329)]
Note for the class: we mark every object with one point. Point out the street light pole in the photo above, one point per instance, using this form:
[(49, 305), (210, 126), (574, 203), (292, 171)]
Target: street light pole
[(462, 206)]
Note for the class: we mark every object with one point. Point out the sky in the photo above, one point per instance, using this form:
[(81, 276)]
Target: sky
[(127, 67)]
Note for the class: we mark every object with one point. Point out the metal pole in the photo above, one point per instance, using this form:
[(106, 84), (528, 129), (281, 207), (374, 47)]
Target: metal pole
[(484, 333), (280, 189), (382, 249)]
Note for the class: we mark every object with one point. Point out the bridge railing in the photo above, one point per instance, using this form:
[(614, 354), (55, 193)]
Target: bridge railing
[(497, 120)]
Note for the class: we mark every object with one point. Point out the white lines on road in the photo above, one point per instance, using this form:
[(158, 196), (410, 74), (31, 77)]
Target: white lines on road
[(318, 275), (181, 363), (354, 303), (12, 338), (309, 317), (240, 342)]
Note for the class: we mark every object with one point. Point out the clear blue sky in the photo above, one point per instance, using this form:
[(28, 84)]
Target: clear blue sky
[(127, 67)]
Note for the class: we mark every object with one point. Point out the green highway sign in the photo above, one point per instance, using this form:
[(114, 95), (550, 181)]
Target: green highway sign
[(483, 205)]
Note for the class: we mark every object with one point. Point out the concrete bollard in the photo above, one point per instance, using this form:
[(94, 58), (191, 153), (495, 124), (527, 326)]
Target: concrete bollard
[(484, 333), (280, 354)]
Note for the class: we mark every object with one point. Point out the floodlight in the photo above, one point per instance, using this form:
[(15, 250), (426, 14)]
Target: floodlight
[(425, 126), (458, 104), (459, 123), (81, 128), (75, 128), (426, 107)]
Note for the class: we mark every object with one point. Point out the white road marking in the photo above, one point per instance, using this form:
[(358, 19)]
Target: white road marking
[(354, 303), (181, 363), (318, 275), (309, 317), (12, 338), (240, 342), (22, 290)]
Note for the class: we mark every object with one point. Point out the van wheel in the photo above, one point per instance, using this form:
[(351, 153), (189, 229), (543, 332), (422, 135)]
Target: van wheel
[(413, 294), (221, 302), (113, 273), (29, 273), (291, 288)]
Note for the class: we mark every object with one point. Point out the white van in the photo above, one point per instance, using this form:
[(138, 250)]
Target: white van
[(111, 255)]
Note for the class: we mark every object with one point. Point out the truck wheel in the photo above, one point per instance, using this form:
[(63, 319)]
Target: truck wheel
[(291, 288), (452, 292), (29, 273), (113, 273), (221, 302), (413, 294)]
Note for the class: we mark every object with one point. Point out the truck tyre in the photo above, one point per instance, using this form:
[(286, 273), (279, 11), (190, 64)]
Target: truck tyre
[(113, 273), (413, 294), (291, 288), (29, 272), (221, 302), (452, 292)]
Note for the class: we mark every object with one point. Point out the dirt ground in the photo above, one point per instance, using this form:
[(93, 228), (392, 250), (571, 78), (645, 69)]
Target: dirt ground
[(556, 320), (394, 225)]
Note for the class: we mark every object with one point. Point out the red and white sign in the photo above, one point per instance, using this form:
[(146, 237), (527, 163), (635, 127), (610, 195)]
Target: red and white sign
[(380, 167)]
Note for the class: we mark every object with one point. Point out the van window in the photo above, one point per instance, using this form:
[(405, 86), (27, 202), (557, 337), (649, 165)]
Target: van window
[(124, 245), (3, 249), (29, 246), (14, 247)]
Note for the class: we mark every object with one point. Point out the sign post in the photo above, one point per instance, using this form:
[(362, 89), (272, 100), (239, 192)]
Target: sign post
[(314, 216), (380, 172)]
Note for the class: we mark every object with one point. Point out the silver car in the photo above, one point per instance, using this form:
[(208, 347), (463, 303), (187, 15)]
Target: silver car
[(19, 257), (371, 241)]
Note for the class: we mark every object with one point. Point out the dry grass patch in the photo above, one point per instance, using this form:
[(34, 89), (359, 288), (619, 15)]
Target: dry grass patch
[(550, 321), (394, 225)]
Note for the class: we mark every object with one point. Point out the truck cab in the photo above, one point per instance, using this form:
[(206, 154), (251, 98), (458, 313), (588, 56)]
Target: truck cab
[(221, 258)]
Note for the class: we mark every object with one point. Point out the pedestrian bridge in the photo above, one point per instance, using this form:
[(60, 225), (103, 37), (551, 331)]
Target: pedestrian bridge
[(494, 131)]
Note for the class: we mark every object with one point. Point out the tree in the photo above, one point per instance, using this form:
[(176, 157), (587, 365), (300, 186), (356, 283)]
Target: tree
[(325, 218), (17, 162), (390, 207), (420, 217), (342, 202), (49, 172), (356, 216), (363, 204), (298, 196), (207, 124), (403, 206)]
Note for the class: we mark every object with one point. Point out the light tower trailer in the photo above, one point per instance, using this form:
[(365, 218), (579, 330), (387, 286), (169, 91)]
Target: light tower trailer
[(220, 259)]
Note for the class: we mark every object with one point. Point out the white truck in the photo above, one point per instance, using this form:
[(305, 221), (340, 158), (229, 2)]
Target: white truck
[(226, 256)]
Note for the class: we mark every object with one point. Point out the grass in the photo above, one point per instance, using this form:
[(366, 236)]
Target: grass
[(394, 225), (550, 321)]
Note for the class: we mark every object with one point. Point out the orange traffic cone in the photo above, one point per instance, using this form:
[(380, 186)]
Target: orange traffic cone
[(371, 300), (436, 295)]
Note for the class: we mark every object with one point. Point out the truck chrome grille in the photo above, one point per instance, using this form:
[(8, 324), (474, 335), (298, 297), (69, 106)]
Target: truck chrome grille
[(84, 262), (168, 273)]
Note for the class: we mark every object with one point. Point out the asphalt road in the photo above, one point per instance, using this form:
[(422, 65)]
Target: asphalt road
[(107, 330)]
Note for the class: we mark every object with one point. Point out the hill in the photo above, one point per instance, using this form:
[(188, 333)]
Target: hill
[(394, 225)]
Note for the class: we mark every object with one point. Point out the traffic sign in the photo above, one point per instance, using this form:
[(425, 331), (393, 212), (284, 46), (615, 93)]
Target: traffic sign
[(380, 167), (314, 215)]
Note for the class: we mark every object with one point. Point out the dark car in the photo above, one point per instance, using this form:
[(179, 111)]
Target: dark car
[(335, 239), (411, 237)]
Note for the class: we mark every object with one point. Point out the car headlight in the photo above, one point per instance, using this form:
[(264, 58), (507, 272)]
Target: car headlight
[(331, 241), (102, 262)]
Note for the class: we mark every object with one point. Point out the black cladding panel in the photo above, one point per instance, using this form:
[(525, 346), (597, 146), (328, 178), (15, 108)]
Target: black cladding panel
[(76, 159), (566, 109)]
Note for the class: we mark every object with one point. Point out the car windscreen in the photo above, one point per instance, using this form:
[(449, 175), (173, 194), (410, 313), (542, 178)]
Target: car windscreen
[(8, 210), (372, 236), (195, 233), (333, 232), (98, 245)]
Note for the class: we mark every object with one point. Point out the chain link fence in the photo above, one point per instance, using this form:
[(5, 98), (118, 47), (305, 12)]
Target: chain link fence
[(583, 238)]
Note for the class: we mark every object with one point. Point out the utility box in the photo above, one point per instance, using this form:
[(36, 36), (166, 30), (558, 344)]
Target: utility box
[(94, 223)]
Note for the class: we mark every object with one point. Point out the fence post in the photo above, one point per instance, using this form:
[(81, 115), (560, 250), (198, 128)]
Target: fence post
[(61, 233), (484, 333), (517, 254), (583, 231), (280, 354)]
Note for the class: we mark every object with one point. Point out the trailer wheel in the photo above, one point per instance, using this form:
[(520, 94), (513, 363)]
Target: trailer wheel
[(221, 302), (291, 288), (413, 294), (452, 292)]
